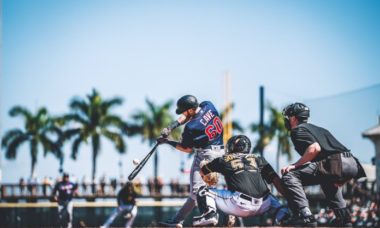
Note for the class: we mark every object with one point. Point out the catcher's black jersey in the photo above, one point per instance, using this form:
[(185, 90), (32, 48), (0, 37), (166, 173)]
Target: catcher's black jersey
[(306, 134), (244, 173)]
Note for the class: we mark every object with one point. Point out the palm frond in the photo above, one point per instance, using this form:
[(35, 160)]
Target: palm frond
[(78, 104), (11, 148), (75, 147), (10, 135), (117, 139), (20, 111)]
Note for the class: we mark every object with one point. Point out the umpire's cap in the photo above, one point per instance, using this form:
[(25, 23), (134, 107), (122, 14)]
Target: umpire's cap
[(299, 110), (186, 102), (238, 144)]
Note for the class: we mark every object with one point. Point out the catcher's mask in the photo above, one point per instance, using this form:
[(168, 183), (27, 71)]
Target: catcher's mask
[(299, 110), (238, 144)]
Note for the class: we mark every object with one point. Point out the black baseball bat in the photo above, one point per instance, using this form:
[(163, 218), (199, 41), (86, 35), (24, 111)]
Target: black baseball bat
[(142, 163)]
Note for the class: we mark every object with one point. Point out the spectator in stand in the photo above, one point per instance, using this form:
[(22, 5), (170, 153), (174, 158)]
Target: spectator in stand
[(113, 184), (32, 185), (22, 185), (174, 186), (121, 180), (85, 184), (93, 186), (322, 217), (102, 184), (159, 183), (46, 183), (151, 186)]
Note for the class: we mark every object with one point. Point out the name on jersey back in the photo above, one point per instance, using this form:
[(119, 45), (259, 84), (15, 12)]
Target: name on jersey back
[(207, 117)]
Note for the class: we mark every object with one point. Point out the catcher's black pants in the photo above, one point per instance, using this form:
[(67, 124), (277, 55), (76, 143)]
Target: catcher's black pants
[(307, 175)]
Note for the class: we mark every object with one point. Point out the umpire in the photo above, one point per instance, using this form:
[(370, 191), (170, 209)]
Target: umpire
[(324, 161)]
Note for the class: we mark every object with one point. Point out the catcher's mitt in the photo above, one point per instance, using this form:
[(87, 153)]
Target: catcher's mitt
[(211, 178)]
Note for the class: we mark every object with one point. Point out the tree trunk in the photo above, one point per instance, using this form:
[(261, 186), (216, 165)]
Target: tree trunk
[(33, 169), (155, 165), (93, 165)]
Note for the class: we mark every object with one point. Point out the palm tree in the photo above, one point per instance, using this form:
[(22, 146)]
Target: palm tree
[(38, 130), (93, 120), (149, 124), (280, 133), (274, 129)]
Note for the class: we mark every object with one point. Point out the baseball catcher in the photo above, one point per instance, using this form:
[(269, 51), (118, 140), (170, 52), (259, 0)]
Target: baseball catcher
[(247, 193)]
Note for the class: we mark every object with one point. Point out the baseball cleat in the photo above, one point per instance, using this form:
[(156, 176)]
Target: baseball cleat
[(208, 219)]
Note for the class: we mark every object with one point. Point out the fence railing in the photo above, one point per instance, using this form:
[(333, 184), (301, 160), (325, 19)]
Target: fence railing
[(91, 191), (35, 192)]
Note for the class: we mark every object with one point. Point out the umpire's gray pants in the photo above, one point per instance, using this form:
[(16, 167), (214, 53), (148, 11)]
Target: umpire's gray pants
[(307, 175), (196, 180)]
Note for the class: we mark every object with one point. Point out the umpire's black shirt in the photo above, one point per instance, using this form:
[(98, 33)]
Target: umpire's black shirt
[(306, 134), (244, 173)]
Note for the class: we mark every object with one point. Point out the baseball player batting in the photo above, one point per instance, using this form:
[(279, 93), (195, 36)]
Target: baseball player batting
[(203, 136), (246, 194)]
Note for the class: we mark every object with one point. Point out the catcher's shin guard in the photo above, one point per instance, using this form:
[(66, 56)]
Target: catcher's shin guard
[(205, 200), (207, 207)]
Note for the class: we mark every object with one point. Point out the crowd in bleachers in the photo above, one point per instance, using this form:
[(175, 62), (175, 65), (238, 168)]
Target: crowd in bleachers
[(361, 199)]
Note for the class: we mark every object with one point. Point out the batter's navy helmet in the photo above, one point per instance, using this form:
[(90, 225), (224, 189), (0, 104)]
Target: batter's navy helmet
[(238, 144), (186, 102)]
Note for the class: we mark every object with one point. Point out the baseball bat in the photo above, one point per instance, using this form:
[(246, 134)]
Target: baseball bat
[(142, 163)]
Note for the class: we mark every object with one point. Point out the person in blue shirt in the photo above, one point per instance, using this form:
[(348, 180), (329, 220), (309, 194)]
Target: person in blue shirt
[(63, 193), (203, 136)]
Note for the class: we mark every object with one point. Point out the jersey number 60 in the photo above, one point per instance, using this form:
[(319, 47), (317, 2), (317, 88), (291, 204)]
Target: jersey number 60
[(214, 129)]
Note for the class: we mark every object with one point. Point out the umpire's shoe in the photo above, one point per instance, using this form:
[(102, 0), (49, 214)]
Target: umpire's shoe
[(210, 218), (300, 221)]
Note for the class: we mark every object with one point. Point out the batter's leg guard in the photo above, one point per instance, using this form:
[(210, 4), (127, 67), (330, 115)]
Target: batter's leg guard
[(343, 218), (207, 207)]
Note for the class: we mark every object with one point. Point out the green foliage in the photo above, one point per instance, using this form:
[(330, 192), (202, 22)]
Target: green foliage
[(273, 129), (38, 130), (91, 119), (148, 124)]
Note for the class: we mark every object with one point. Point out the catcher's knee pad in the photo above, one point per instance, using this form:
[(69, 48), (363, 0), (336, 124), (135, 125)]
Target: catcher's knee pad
[(205, 199)]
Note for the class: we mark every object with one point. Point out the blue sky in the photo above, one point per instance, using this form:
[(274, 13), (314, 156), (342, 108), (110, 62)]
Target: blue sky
[(298, 50)]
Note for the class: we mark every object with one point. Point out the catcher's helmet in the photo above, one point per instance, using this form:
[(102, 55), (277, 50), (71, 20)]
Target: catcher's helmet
[(299, 110), (186, 102), (238, 144)]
